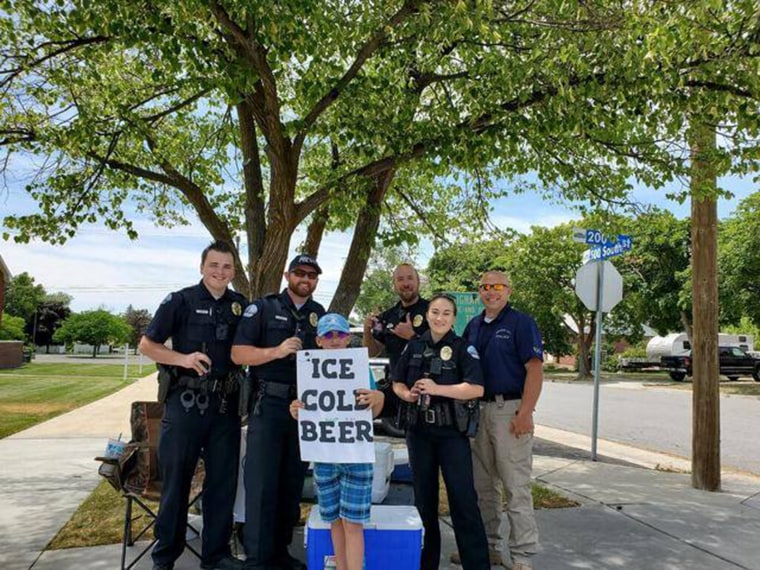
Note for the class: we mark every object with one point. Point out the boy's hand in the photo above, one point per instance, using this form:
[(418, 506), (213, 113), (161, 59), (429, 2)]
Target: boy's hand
[(295, 405)]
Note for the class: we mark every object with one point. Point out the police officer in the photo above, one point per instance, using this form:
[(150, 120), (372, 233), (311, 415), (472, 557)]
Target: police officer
[(436, 374), (272, 330), (393, 328), (197, 384)]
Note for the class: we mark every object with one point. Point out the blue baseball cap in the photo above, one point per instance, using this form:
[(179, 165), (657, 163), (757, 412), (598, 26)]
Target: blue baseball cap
[(332, 322), (304, 259)]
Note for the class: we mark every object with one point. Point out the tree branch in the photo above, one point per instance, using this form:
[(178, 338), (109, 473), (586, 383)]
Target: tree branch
[(367, 50)]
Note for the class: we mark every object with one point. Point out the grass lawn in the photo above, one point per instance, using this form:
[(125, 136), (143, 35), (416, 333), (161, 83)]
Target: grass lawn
[(37, 392)]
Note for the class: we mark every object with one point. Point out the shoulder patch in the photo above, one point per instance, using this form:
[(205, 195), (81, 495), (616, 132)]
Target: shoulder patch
[(250, 311), (167, 299), (472, 351)]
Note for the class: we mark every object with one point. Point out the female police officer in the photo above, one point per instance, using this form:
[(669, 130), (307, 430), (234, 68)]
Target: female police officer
[(435, 375)]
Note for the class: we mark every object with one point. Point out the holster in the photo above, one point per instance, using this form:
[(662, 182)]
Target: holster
[(245, 392), (165, 378), (406, 415), (467, 416)]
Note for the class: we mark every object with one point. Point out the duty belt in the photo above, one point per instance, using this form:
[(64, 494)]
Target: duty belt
[(438, 414), (278, 390), (225, 384)]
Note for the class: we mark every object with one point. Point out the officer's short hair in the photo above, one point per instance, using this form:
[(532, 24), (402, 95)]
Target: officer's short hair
[(218, 245), (446, 296), (406, 264)]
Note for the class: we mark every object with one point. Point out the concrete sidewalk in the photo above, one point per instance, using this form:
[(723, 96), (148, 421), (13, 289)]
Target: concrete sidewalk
[(631, 515)]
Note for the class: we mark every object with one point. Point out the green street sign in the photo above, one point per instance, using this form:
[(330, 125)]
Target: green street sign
[(468, 306)]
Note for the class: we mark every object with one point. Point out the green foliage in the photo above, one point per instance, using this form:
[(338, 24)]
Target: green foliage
[(12, 328), (739, 263), (93, 327), (143, 106), (138, 321), (22, 296), (745, 326), (377, 288), (51, 313)]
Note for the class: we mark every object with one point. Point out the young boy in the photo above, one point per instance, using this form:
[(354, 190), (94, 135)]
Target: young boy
[(344, 490)]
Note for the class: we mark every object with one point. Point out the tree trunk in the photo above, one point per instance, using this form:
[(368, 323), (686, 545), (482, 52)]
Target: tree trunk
[(687, 326), (706, 401), (361, 245), (255, 220), (584, 348), (95, 350), (316, 231)]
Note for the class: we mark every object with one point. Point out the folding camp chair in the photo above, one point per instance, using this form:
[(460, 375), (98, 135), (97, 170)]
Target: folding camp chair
[(136, 476)]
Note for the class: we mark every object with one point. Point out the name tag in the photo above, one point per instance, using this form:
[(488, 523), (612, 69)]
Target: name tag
[(280, 318), (202, 311)]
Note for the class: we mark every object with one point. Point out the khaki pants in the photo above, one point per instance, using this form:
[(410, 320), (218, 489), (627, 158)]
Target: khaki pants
[(499, 456)]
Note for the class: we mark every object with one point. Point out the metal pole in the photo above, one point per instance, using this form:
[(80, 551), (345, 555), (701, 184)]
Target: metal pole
[(597, 355), (126, 360)]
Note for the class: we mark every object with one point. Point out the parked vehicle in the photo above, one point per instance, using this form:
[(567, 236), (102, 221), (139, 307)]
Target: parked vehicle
[(733, 363)]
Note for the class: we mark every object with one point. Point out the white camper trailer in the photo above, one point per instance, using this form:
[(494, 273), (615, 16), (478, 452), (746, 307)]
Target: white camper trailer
[(677, 344)]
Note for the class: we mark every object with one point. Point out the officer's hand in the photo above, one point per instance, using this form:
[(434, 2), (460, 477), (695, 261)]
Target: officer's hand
[(295, 405), (404, 329), (197, 361), (521, 424), (426, 386), (289, 346), (370, 321)]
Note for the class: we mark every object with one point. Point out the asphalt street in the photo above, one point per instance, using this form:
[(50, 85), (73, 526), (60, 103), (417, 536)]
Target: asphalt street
[(653, 418)]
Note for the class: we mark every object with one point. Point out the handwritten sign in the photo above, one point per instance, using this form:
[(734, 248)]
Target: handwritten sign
[(331, 428)]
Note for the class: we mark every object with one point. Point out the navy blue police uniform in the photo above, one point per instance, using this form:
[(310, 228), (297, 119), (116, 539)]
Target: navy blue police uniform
[(198, 421), (394, 345), (274, 473), (436, 440)]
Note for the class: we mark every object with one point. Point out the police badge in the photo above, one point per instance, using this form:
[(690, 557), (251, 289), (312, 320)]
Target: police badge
[(446, 353), (313, 319), (417, 320), (236, 309)]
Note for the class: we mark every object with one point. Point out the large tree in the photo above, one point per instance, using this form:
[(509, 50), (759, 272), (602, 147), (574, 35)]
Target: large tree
[(96, 328), (260, 117), (23, 296), (49, 317)]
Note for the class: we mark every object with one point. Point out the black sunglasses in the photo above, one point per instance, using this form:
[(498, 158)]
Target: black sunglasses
[(300, 273)]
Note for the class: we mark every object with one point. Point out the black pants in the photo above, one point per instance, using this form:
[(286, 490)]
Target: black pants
[(431, 448), (273, 475), (186, 436)]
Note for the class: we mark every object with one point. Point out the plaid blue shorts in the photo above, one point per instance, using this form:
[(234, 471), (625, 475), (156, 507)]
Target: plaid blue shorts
[(344, 490)]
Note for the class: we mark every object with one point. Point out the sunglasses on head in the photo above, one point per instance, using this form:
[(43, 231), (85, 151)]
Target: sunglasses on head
[(335, 334), (494, 286), (300, 273)]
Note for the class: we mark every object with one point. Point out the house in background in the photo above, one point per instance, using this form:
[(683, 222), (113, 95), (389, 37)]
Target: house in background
[(11, 351), (5, 279)]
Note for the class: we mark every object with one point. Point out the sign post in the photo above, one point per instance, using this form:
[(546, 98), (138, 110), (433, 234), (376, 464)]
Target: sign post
[(600, 295)]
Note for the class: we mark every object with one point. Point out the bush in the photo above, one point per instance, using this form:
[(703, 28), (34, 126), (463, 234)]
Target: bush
[(12, 328)]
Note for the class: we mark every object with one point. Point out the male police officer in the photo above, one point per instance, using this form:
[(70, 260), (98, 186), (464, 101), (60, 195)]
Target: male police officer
[(511, 354), (196, 384), (272, 330), (396, 326)]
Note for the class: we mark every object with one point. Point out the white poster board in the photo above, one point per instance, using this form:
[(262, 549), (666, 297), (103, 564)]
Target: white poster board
[(330, 428)]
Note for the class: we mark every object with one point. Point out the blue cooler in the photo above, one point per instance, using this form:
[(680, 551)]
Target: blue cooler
[(392, 539)]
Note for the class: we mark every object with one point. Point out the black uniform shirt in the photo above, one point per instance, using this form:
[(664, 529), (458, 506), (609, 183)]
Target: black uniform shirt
[(270, 320), (197, 322), (387, 320), (459, 361)]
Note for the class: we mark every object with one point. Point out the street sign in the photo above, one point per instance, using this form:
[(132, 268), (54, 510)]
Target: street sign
[(468, 306), (611, 249), (586, 286), (594, 237)]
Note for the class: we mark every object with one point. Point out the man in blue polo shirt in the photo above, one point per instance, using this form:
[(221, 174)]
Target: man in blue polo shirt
[(511, 354)]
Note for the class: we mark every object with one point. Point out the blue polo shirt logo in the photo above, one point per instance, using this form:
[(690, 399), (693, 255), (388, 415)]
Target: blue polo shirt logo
[(505, 334)]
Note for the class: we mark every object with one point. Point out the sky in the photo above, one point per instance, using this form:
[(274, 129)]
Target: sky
[(101, 268)]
